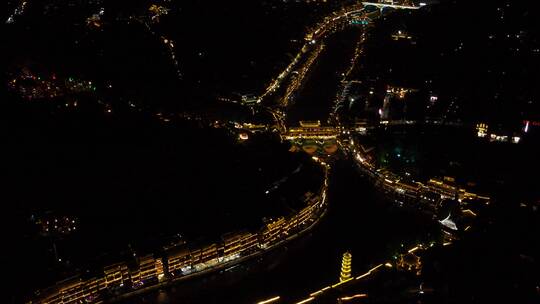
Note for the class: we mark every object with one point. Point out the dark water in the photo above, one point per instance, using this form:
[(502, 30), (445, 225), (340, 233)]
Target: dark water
[(315, 99), (358, 220)]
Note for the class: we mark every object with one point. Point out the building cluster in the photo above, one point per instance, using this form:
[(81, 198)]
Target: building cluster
[(313, 138), (180, 260), (297, 70), (353, 14), (94, 21), (114, 278), (250, 99), (482, 131), (394, 104), (402, 35), (432, 193), (299, 75), (30, 86), (156, 11), (18, 11), (363, 17)]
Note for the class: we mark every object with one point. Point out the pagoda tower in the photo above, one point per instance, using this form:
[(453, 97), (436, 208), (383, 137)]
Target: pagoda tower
[(345, 267)]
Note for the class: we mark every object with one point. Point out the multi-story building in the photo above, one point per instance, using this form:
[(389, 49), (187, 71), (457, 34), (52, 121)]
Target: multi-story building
[(116, 275), (272, 231), (150, 269), (179, 260), (67, 291), (239, 243)]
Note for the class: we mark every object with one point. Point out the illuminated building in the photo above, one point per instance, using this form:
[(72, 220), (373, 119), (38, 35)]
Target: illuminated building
[(250, 99), (310, 124), (160, 269), (409, 261), (243, 136), (209, 252), (385, 111), (116, 275), (180, 260), (400, 92), (445, 190), (94, 21), (273, 230), (311, 130), (394, 104), (482, 129), (449, 223), (243, 242), (399, 35), (69, 291), (32, 86), (157, 11), (526, 126), (150, 269), (345, 267)]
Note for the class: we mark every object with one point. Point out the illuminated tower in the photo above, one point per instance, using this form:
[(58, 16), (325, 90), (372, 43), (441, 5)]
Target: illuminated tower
[(385, 111), (345, 267)]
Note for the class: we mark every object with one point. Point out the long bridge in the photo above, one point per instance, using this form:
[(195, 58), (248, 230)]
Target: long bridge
[(392, 4), (311, 130)]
